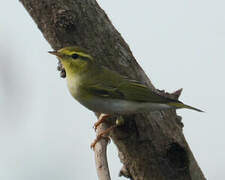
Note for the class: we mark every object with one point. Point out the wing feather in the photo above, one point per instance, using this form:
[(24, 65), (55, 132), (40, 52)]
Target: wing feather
[(116, 86)]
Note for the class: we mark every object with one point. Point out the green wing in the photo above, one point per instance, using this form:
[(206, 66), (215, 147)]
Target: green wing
[(116, 86)]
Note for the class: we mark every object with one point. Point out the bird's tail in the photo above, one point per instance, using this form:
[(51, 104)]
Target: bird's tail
[(179, 105)]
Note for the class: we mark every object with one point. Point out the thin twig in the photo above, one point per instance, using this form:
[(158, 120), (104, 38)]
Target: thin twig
[(101, 156)]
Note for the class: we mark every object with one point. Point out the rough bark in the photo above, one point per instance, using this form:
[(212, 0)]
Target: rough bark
[(152, 145)]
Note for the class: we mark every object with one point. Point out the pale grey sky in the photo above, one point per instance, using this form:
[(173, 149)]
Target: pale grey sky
[(45, 134)]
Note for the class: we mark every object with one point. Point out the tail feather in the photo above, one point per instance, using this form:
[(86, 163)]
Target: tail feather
[(179, 105)]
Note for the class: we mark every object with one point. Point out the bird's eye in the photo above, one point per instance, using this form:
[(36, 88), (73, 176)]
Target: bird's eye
[(75, 56)]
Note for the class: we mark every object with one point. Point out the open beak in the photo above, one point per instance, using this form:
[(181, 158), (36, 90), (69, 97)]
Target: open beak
[(56, 53)]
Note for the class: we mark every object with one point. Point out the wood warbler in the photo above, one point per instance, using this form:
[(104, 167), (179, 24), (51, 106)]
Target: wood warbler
[(105, 91)]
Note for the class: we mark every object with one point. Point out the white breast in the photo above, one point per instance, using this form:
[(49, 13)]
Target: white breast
[(73, 86)]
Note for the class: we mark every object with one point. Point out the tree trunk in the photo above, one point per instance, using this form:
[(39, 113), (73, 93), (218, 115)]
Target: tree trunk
[(151, 146)]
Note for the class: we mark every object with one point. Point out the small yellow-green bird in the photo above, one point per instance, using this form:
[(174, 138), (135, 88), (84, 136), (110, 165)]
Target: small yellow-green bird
[(105, 91)]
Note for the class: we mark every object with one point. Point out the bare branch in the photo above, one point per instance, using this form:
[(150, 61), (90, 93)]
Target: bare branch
[(100, 151)]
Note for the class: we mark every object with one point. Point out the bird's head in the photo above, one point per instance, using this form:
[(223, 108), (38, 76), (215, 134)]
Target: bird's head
[(74, 59)]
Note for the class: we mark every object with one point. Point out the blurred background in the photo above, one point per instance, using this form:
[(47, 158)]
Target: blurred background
[(45, 134)]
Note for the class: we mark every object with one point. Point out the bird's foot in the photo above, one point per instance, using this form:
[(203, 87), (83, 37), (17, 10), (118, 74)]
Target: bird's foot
[(101, 119), (102, 135)]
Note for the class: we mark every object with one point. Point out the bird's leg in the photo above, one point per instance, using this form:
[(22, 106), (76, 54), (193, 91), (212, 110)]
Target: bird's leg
[(101, 135), (101, 119), (119, 122)]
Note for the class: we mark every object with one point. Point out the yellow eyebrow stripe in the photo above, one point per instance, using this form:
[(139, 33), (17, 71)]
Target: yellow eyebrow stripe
[(70, 53), (83, 55)]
